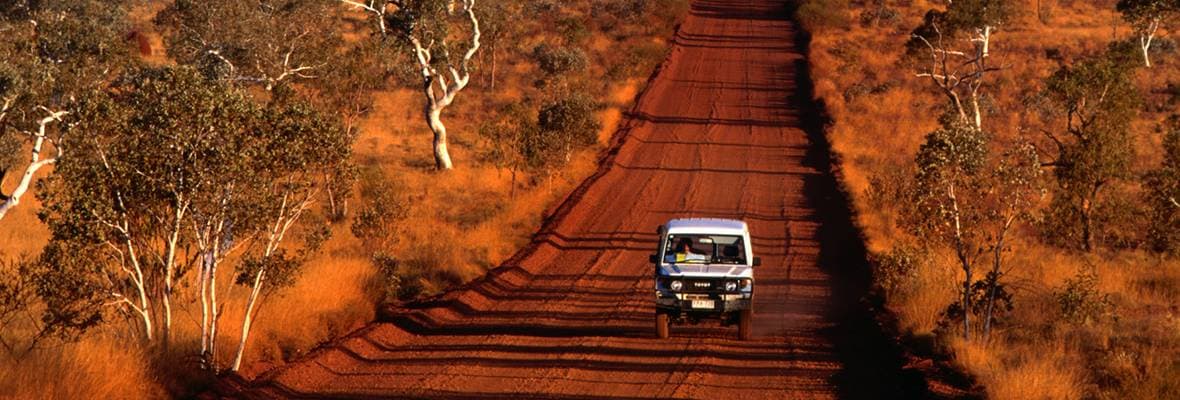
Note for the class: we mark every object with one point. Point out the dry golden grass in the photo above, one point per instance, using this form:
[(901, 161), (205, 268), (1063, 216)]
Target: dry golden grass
[(23, 234), (95, 368), (1035, 353), (1039, 372)]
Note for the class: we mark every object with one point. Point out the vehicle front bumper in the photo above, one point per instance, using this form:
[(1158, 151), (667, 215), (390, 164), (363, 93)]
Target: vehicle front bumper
[(722, 303)]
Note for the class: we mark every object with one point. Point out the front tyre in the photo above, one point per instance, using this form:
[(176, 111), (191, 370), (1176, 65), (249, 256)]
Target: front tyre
[(745, 324), (662, 325)]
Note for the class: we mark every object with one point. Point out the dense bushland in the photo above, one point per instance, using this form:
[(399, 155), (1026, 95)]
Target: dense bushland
[(1012, 165), (220, 186)]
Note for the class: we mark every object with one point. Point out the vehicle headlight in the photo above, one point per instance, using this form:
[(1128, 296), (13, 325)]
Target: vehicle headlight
[(676, 285), (731, 286)]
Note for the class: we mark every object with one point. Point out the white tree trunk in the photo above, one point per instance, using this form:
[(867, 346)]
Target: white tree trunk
[(26, 179), (283, 222), (203, 285), (214, 314), (459, 73), (439, 99), (170, 266), (35, 162), (144, 308), (248, 319), (442, 157), (209, 242), (1145, 39), (987, 38), (975, 109), (1146, 45)]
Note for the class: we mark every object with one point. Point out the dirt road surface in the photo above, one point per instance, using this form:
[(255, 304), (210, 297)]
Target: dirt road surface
[(725, 129)]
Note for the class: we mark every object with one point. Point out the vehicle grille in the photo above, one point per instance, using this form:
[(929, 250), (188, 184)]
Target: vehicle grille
[(703, 285)]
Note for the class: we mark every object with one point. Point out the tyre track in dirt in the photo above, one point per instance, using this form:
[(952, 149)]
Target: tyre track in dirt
[(725, 129)]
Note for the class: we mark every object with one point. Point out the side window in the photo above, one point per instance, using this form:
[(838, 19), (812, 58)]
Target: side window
[(734, 252)]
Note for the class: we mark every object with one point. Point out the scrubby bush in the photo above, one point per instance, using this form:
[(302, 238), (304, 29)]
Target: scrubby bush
[(1163, 195), (894, 270), (818, 15), (1080, 302), (571, 117), (991, 304), (16, 297), (390, 282), (559, 60), (433, 263), (573, 30), (382, 208), (639, 59), (626, 10), (541, 7), (879, 14)]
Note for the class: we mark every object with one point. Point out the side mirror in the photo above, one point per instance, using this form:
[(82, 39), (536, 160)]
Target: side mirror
[(757, 262), (654, 258)]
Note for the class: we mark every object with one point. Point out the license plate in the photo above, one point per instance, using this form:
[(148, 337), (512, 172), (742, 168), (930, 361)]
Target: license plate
[(702, 304)]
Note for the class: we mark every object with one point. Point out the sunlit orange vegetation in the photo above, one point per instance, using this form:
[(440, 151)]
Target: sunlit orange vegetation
[(1127, 343), (89, 369), (455, 225)]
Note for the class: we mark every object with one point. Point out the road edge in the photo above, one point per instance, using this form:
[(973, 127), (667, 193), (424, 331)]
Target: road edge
[(943, 379)]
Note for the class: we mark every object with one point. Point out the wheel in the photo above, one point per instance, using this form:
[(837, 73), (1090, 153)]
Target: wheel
[(662, 325), (745, 322)]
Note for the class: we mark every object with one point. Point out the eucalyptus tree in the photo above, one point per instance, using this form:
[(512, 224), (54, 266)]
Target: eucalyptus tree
[(442, 37), (952, 48), (527, 139), (950, 178), (500, 25), (298, 153), (1094, 101), (968, 198), (1146, 17), (1014, 190), (51, 53), (1163, 194), (130, 201), (510, 138), (566, 124), (178, 174), (264, 43)]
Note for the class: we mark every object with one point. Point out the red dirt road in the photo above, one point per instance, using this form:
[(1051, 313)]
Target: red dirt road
[(726, 129)]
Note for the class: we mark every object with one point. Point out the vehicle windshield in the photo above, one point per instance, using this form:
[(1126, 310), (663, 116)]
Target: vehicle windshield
[(704, 249)]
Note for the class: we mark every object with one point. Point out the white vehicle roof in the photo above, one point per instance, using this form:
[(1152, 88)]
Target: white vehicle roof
[(706, 225)]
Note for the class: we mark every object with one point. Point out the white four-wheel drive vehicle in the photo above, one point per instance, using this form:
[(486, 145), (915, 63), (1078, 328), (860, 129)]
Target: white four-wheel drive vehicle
[(704, 269)]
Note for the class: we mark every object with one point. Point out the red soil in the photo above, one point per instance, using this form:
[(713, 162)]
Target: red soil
[(725, 129)]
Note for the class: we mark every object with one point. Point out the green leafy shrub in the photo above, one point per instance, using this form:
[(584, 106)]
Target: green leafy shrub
[(390, 282), (559, 60), (1080, 302), (382, 208), (893, 271)]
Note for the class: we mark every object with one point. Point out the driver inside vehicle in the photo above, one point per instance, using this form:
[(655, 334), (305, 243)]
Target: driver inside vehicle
[(685, 253)]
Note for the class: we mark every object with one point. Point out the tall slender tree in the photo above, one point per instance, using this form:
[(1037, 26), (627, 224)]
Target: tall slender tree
[(1146, 17), (1095, 103), (180, 173), (952, 48), (441, 47)]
